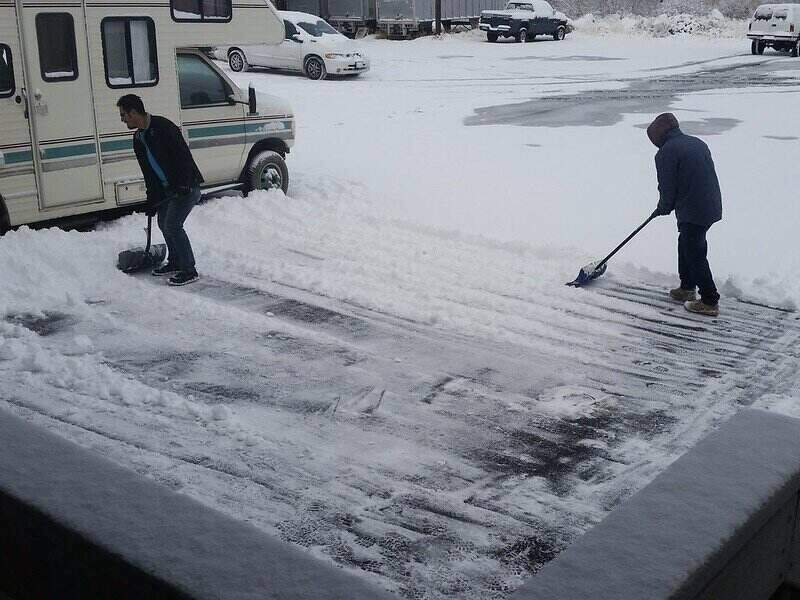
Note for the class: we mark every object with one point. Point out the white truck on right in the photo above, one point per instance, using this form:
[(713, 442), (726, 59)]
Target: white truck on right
[(775, 26), (524, 20)]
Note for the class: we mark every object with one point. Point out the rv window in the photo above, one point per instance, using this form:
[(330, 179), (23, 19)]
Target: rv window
[(214, 11), (129, 51), (55, 35), (6, 72), (199, 84)]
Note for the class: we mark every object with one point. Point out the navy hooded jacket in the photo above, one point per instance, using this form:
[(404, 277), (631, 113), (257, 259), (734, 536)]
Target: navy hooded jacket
[(687, 180)]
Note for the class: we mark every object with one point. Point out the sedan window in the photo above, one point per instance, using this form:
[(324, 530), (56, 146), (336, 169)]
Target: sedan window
[(317, 29)]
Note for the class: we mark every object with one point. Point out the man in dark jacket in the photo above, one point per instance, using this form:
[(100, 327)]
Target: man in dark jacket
[(688, 184), (172, 180)]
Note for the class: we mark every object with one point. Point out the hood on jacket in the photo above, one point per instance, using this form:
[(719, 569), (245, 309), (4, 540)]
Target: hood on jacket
[(661, 125)]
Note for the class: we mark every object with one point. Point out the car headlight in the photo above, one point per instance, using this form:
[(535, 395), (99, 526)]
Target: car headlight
[(334, 55)]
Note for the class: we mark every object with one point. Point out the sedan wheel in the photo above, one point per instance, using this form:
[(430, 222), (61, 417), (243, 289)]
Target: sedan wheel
[(237, 61), (315, 68)]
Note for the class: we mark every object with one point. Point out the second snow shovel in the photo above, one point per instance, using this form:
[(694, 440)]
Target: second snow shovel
[(138, 259), (595, 269)]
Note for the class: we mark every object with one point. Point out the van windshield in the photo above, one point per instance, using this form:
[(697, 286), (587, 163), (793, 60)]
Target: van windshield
[(317, 29), (763, 13)]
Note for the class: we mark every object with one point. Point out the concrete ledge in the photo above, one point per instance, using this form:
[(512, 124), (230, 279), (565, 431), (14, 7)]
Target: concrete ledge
[(720, 523), (74, 525)]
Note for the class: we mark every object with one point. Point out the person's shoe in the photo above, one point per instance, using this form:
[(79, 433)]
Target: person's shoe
[(701, 308), (183, 277), (165, 269), (682, 295)]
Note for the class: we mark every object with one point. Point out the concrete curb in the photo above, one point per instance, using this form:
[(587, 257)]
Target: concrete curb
[(75, 525)]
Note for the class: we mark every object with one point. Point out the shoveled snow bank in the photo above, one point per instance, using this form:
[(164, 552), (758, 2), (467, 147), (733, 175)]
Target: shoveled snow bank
[(714, 25)]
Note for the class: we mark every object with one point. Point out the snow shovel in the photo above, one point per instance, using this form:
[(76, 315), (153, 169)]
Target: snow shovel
[(595, 269), (138, 259)]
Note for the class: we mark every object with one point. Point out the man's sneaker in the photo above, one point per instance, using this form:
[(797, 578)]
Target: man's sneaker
[(183, 277), (682, 295), (165, 269), (701, 308)]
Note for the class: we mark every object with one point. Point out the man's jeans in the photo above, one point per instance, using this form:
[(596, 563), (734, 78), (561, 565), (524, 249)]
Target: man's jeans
[(693, 262), (171, 215)]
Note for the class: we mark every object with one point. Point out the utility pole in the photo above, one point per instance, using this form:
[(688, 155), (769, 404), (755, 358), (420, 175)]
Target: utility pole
[(438, 11)]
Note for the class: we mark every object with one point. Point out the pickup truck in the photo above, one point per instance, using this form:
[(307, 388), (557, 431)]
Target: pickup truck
[(524, 20)]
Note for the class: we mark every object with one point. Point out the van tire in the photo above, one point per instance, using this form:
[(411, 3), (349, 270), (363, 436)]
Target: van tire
[(266, 170), (237, 61), (314, 68)]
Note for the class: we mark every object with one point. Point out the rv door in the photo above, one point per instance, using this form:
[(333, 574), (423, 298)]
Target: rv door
[(60, 105)]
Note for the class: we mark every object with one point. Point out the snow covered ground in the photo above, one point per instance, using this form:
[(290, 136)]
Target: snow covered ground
[(384, 366)]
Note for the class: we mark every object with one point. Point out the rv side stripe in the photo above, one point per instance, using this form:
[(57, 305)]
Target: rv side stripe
[(19, 157), (68, 151), (238, 129), (117, 145)]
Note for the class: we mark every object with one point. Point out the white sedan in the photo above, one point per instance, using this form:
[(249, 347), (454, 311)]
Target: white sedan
[(310, 46)]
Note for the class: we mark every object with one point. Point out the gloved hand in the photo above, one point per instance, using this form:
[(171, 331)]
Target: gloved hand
[(658, 212)]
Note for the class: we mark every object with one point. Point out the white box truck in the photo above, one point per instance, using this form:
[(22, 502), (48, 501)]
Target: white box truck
[(63, 65)]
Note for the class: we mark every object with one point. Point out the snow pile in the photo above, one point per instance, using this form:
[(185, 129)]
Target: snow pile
[(714, 25)]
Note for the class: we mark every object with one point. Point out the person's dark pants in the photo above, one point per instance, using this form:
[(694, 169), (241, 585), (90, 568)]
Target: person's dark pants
[(693, 262), (171, 215)]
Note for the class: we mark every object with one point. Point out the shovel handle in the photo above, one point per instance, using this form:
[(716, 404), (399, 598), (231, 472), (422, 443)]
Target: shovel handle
[(625, 241), (149, 233)]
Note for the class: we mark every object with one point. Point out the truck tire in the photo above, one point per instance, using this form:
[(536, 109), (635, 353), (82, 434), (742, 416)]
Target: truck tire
[(266, 171), (796, 49), (237, 61), (760, 45), (754, 47), (559, 33), (522, 35), (314, 68), (492, 37)]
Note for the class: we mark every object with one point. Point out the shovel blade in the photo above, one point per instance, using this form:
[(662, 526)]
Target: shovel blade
[(136, 259), (588, 273)]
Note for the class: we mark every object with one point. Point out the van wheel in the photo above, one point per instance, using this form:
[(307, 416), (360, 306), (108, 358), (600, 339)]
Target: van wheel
[(796, 49), (315, 68), (560, 33), (237, 61), (522, 35), (266, 171)]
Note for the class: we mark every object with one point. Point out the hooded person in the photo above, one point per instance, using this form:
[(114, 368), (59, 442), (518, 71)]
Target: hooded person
[(688, 184)]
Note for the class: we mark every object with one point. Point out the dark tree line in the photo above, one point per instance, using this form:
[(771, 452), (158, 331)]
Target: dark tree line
[(736, 9)]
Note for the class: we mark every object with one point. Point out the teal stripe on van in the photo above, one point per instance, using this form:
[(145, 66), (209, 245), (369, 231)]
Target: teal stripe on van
[(217, 130), (117, 145), (69, 151), (23, 156)]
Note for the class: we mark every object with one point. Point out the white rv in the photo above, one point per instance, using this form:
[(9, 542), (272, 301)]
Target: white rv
[(65, 63)]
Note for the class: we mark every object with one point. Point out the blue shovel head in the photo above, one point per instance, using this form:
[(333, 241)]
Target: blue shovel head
[(588, 273)]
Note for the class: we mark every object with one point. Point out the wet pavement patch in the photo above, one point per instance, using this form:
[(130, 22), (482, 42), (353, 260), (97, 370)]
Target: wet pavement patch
[(603, 108), (566, 58), (783, 138), (43, 324)]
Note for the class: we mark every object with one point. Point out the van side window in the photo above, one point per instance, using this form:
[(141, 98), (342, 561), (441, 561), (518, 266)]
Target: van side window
[(214, 11), (199, 84), (291, 30), (55, 35), (6, 72), (129, 51)]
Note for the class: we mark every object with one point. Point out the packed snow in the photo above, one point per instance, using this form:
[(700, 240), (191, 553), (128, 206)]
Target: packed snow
[(384, 366)]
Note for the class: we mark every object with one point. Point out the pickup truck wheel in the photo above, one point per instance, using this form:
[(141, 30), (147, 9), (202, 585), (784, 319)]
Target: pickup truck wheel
[(237, 61), (559, 33), (315, 68), (492, 37), (760, 45), (522, 35), (754, 47), (266, 171), (796, 49)]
